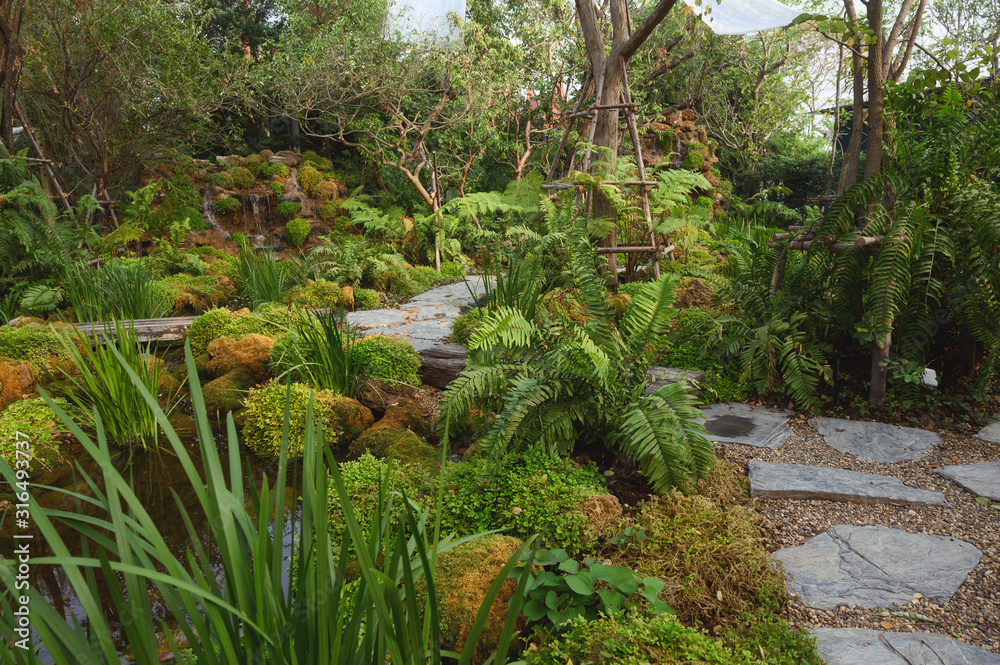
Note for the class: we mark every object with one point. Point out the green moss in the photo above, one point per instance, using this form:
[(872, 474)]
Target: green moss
[(296, 232), (288, 209), (263, 324), (401, 443), (239, 238), (275, 171), (265, 416), (207, 327), (563, 304), (317, 294), (465, 325), (33, 421), (277, 188), (633, 639), (424, 277), (34, 344), (243, 178), (227, 392), (667, 138), (773, 639), (694, 161), (367, 299), (321, 163), (223, 180), (483, 494), (309, 177), (255, 164), (387, 358), (452, 269), (227, 205)]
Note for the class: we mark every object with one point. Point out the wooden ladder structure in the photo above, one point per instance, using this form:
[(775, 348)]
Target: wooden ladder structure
[(642, 183)]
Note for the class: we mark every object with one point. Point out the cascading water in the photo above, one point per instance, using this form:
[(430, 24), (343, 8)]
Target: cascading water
[(208, 208), (254, 208)]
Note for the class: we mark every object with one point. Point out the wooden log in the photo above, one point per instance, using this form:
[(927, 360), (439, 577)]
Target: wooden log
[(802, 228), (868, 241), (441, 364), (627, 105), (780, 237), (170, 329), (580, 114), (623, 249)]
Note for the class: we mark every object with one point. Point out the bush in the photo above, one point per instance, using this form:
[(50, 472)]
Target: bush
[(361, 480), (386, 358), (452, 269), (340, 418), (266, 154), (317, 294), (227, 205), (239, 238), (309, 178), (632, 639), (423, 277), (288, 209), (522, 494), (465, 326), (367, 299), (275, 171), (223, 180), (694, 161), (277, 189), (321, 163), (31, 418), (255, 164), (296, 231), (207, 327), (242, 178)]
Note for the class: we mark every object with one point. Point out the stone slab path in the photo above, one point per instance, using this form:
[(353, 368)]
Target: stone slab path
[(759, 426), (775, 480), (982, 478), (875, 442), (426, 320), (990, 433), (876, 567), (859, 646)]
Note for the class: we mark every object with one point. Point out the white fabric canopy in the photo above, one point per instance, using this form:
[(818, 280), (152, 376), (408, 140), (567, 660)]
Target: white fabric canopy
[(424, 16), (739, 17)]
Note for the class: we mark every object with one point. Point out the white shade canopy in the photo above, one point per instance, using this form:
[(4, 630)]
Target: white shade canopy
[(739, 17), (429, 17)]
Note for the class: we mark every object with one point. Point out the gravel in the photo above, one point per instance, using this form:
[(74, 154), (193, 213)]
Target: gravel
[(973, 614)]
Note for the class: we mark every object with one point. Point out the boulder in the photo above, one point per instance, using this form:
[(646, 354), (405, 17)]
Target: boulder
[(226, 393), (353, 417), (286, 157), (600, 511), (405, 414), (16, 379), (252, 352), (379, 395), (21, 321), (400, 442)]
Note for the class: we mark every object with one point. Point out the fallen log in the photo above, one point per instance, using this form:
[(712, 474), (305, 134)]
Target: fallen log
[(441, 364)]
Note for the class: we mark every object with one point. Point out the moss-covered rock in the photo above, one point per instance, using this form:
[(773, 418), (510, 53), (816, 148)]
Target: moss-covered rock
[(32, 420), (296, 232), (340, 418), (207, 327), (367, 299), (195, 294), (465, 325), (309, 178), (463, 576), (386, 358), (252, 352), (314, 294), (37, 345), (400, 442), (379, 395), (16, 379), (405, 414), (227, 392)]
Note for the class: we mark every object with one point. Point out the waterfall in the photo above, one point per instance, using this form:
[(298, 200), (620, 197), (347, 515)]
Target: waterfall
[(208, 207), (254, 209)]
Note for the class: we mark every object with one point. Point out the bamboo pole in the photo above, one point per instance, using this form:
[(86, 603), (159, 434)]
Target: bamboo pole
[(634, 130), (46, 164)]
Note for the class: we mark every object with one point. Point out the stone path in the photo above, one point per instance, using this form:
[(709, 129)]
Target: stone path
[(858, 567), (427, 319)]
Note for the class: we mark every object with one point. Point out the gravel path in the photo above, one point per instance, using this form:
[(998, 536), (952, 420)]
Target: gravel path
[(973, 614)]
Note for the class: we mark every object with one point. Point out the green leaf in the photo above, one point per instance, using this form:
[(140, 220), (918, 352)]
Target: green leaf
[(534, 610), (570, 566), (581, 583)]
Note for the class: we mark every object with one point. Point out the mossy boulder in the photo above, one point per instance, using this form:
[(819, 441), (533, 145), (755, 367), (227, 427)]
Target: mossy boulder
[(465, 325), (399, 442), (38, 423), (319, 293), (252, 352), (207, 327), (16, 379), (463, 576), (227, 392), (367, 299), (35, 344), (340, 418), (405, 414), (386, 358), (379, 395)]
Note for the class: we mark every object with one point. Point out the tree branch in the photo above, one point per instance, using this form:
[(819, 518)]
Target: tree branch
[(660, 12)]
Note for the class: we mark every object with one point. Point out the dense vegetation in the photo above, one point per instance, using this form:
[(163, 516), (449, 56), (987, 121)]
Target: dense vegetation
[(269, 167)]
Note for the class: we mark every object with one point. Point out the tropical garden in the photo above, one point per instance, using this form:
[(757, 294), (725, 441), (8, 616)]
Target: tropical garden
[(210, 462)]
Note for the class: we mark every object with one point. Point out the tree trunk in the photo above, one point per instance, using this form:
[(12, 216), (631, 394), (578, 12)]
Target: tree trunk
[(10, 67)]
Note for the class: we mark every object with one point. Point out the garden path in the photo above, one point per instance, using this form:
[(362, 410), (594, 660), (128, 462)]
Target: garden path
[(887, 554), (425, 320)]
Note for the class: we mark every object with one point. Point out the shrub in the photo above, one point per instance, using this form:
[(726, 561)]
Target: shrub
[(207, 327), (452, 269), (227, 205), (315, 294), (255, 164), (523, 494), (309, 177), (367, 299), (361, 480), (239, 238), (694, 161), (277, 189), (632, 639), (386, 358), (242, 178), (276, 171), (465, 325), (223, 180), (264, 410), (321, 163), (296, 231), (423, 277), (260, 323), (31, 418), (288, 209)]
